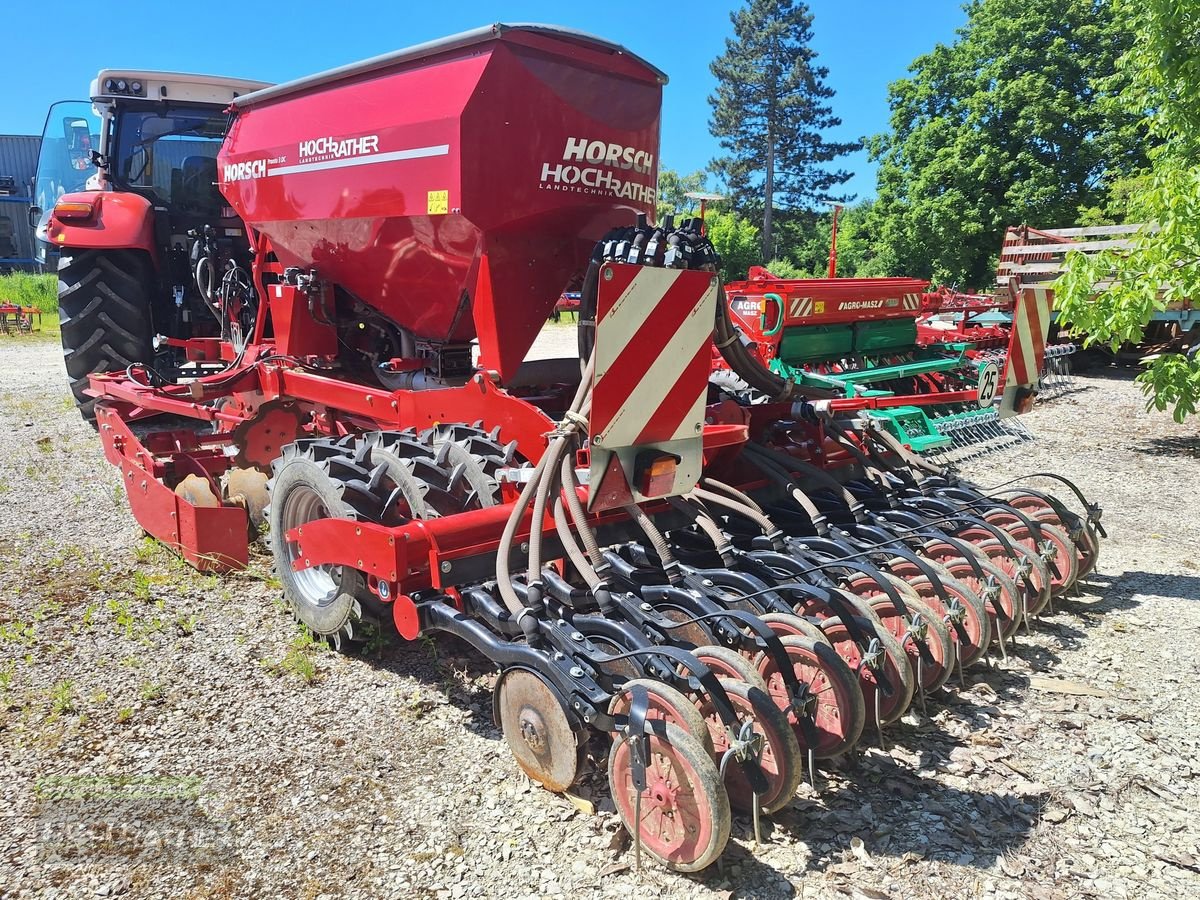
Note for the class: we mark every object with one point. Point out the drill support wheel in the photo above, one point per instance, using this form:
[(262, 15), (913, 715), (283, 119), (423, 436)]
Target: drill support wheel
[(537, 730)]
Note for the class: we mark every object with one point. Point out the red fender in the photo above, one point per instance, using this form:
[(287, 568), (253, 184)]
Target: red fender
[(121, 221)]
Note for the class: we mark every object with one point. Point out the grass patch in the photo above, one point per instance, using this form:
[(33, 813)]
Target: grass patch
[(62, 697), (27, 289), (299, 660), (150, 692)]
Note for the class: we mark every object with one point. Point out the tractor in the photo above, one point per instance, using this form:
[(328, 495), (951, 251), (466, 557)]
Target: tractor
[(125, 189), (700, 594)]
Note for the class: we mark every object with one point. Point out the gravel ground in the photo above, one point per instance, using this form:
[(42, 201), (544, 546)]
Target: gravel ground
[(231, 757)]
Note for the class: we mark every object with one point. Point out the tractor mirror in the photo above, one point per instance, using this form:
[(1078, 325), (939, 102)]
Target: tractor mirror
[(35, 216)]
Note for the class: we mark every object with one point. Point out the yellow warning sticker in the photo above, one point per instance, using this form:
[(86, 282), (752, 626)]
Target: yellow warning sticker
[(819, 307), (439, 203)]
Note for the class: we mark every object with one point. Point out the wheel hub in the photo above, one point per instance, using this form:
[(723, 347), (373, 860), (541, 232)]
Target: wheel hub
[(533, 730)]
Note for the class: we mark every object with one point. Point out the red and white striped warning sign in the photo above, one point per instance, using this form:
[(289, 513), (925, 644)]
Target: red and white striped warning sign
[(653, 328), (912, 301), (800, 307), (1026, 345)]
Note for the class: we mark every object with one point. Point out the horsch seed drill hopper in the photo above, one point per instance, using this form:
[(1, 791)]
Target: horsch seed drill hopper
[(703, 591)]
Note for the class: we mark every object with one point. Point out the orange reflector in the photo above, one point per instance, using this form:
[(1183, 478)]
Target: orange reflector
[(74, 210), (656, 473)]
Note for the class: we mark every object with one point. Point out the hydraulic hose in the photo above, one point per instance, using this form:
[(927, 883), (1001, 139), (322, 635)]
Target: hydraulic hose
[(730, 491), (585, 330), (782, 477), (572, 548), (503, 576), (656, 537), (579, 516), (708, 525), (789, 465), (911, 459), (759, 518), (734, 348), (537, 489)]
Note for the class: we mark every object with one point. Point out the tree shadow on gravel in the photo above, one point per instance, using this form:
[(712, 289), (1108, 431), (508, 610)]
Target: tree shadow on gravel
[(896, 811), (1179, 587), (448, 664), (1171, 446)]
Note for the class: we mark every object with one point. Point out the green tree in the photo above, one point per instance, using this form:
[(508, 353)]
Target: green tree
[(1162, 82), (736, 239), (805, 236), (769, 111), (1013, 122), (673, 189)]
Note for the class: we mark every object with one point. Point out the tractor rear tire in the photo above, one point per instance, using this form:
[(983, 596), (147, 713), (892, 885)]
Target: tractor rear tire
[(104, 315)]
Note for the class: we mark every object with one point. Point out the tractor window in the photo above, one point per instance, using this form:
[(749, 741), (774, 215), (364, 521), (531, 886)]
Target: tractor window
[(65, 164), (170, 156)]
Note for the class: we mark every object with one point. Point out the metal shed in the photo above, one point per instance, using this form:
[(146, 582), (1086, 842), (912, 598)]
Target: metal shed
[(18, 166)]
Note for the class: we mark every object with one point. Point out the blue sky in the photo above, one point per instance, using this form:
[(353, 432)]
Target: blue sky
[(865, 43)]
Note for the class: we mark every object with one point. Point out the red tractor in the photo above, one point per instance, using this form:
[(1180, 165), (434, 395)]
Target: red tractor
[(126, 190), (700, 591)]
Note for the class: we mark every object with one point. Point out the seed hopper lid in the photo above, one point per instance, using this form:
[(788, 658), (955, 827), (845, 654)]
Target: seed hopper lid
[(429, 48)]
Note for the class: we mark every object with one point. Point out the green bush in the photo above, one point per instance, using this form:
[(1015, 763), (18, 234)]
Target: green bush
[(25, 289)]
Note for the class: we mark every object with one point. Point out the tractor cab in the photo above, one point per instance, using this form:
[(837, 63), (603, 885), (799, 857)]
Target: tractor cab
[(126, 200), (154, 134)]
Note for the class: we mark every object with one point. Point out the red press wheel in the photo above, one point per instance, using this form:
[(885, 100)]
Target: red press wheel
[(726, 663), (1086, 546), (968, 609), (780, 760), (932, 633), (682, 818), (834, 703), (993, 584), (786, 625), (665, 703), (894, 665), (1062, 548)]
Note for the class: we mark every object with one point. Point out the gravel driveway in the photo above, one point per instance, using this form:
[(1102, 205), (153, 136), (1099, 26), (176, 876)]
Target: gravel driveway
[(231, 757)]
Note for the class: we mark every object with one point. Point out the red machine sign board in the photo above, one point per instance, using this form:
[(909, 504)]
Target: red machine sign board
[(1026, 348), (647, 416)]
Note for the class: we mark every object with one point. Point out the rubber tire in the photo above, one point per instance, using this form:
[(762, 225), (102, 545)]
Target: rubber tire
[(336, 621), (104, 315)]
